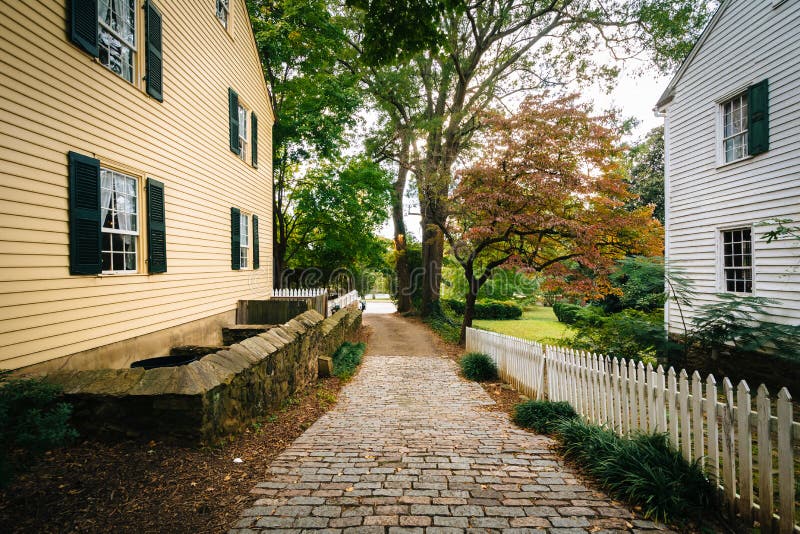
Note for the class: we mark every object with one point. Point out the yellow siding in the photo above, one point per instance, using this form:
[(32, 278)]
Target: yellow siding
[(55, 98)]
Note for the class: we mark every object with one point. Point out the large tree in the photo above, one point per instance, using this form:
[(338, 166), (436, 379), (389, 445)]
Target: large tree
[(546, 193), (339, 209), (313, 95), (491, 50), (646, 160)]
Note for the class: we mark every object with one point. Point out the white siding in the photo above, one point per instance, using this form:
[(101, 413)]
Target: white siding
[(751, 41)]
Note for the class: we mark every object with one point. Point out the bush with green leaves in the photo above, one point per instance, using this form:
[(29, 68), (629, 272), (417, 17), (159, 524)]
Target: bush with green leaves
[(739, 322), (488, 309), (629, 334), (478, 366), (32, 420), (542, 416), (347, 358), (565, 312), (643, 470)]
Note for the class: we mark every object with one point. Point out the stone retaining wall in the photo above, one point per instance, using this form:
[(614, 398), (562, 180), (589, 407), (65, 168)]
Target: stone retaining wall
[(218, 395)]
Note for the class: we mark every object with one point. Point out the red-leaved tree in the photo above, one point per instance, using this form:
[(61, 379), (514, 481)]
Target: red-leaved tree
[(546, 194)]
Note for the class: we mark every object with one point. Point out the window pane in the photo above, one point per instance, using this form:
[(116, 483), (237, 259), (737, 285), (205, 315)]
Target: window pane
[(115, 55), (242, 122), (737, 260), (106, 261), (130, 262), (129, 243)]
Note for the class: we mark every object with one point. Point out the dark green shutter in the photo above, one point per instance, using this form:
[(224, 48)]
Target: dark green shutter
[(758, 118), (254, 137), (156, 228), (84, 214), (83, 25), (235, 238), (153, 57), (233, 119), (256, 264)]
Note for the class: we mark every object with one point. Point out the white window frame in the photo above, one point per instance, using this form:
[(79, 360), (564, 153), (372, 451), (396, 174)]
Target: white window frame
[(243, 132), (721, 138), (111, 232), (131, 45), (722, 284), (223, 13), (244, 241)]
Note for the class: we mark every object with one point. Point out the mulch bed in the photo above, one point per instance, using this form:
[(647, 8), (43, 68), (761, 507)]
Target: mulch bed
[(146, 486)]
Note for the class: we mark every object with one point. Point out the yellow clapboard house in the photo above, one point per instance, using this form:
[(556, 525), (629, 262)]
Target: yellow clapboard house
[(135, 178)]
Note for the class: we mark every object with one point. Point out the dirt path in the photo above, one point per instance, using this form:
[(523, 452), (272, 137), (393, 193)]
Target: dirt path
[(393, 335)]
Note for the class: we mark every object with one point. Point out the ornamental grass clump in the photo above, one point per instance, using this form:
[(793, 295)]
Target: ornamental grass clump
[(478, 366), (347, 358), (542, 416), (643, 470)]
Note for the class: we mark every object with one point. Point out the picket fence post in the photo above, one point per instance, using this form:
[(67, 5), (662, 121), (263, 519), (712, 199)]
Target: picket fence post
[(630, 397)]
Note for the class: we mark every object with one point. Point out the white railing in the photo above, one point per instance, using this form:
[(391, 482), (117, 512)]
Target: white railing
[(343, 301), (302, 293), (717, 428)]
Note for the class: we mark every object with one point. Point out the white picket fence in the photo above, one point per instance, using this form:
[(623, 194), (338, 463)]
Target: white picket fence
[(719, 431), (343, 301), (302, 293)]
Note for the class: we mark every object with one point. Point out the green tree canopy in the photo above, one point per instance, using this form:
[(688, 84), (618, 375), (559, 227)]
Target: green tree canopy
[(314, 96), (646, 161), (338, 210)]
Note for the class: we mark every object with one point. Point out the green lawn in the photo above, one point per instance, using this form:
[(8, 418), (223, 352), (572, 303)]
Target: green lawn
[(535, 324)]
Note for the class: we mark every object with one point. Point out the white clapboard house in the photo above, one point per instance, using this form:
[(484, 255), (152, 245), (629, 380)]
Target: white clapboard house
[(732, 154)]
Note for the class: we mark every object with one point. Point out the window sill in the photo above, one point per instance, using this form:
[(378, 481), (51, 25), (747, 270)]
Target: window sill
[(734, 162)]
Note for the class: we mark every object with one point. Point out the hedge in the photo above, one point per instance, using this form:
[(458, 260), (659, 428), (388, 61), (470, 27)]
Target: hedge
[(488, 309), (565, 312)]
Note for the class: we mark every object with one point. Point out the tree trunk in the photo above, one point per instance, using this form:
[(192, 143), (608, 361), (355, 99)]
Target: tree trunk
[(469, 314), (433, 196), (278, 263), (432, 255), (404, 289)]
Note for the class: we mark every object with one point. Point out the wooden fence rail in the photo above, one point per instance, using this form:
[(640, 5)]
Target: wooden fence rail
[(714, 424)]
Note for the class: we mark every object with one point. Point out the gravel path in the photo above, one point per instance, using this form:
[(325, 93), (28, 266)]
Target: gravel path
[(411, 448)]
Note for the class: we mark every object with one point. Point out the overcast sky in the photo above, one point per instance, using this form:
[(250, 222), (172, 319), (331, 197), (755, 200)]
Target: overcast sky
[(634, 95)]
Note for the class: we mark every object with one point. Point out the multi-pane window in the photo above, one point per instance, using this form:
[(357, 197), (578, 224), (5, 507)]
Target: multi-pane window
[(119, 211), (223, 11), (737, 260), (242, 133), (244, 241), (117, 35), (734, 128)]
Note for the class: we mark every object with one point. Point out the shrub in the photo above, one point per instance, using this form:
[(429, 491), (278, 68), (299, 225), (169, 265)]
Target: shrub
[(565, 312), (643, 470), (488, 309), (542, 416), (478, 366), (736, 320), (347, 358), (31, 419), (629, 334)]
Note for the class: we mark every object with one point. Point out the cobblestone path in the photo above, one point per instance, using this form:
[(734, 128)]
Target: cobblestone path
[(410, 448)]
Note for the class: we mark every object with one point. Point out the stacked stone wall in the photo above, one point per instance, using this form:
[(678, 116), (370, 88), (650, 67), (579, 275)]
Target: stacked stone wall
[(218, 395)]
